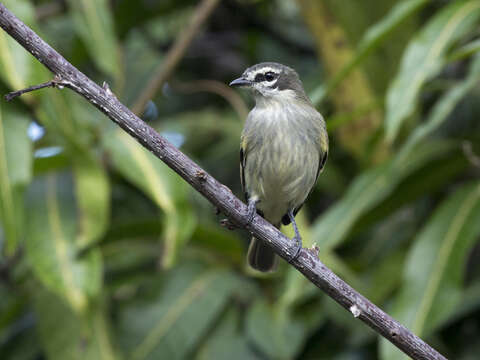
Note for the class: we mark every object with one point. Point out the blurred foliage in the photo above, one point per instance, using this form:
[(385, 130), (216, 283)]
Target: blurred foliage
[(107, 254)]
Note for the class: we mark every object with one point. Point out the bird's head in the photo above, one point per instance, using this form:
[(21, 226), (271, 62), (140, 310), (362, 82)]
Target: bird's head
[(271, 80)]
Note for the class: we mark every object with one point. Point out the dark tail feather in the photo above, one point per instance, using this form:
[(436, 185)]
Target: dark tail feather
[(261, 257)]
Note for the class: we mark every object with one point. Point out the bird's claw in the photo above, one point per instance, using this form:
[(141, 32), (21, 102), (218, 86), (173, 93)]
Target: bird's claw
[(297, 238), (226, 223), (296, 248), (251, 211)]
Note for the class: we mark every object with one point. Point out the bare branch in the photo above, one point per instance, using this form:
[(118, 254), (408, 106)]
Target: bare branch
[(14, 94), (215, 87), (55, 82), (219, 195), (473, 158), (175, 54)]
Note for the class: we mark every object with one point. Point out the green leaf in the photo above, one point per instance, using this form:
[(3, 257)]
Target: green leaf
[(467, 306), (18, 339), (73, 124), (141, 60), (94, 25), (367, 191), (379, 277), (162, 185), (76, 336), (227, 342), (443, 107), (433, 274), (372, 39), (433, 177), (424, 58), (280, 330), (92, 189), (227, 244), (373, 186), (15, 174), (170, 322), (276, 333), (465, 51), (16, 64), (24, 346), (52, 231)]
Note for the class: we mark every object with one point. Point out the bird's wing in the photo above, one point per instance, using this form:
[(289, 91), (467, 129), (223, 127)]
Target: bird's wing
[(243, 162)]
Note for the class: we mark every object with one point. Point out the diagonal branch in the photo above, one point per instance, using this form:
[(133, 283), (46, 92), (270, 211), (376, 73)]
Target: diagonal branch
[(175, 54), (216, 87), (219, 195)]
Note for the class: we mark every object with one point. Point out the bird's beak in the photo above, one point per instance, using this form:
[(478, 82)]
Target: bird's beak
[(240, 82)]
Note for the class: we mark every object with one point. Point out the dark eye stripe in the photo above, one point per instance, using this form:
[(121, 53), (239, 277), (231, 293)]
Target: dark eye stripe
[(259, 77), (268, 76)]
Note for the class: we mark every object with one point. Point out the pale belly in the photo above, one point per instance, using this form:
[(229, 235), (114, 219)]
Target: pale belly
[(280, 174)]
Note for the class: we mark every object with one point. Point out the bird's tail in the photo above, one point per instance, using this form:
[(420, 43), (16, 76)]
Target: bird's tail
[(260, 256)]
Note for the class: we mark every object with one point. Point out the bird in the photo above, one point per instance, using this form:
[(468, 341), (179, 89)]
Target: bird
[(283, 149)]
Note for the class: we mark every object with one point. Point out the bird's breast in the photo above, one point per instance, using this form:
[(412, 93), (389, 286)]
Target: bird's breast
[(282, 157)]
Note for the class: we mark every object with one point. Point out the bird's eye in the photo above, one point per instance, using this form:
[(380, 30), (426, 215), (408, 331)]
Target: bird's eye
[(259, 78), (270, 76)]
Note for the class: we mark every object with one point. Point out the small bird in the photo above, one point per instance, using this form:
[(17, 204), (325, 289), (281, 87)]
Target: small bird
[(284, 147)]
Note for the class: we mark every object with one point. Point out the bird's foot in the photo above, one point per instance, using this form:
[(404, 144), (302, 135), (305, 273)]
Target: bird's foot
[(295, 248), (297, 239), (251, 211)]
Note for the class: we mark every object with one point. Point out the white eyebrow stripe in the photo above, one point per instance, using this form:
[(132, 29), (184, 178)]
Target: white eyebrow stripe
[(262, 71)]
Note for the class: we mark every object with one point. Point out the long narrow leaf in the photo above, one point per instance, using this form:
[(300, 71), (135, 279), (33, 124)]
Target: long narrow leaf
[(52, 229), (228, 342), (372, 39), (15, 62), (432, 280), (77, 336), (371, 187), (443, 107), (170, 322), (92, 189), (94, 24), (367, 191), (15, 173), (160, 184), (425, 57)]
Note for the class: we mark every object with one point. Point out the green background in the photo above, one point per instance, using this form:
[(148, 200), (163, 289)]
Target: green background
[(108, 254)]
